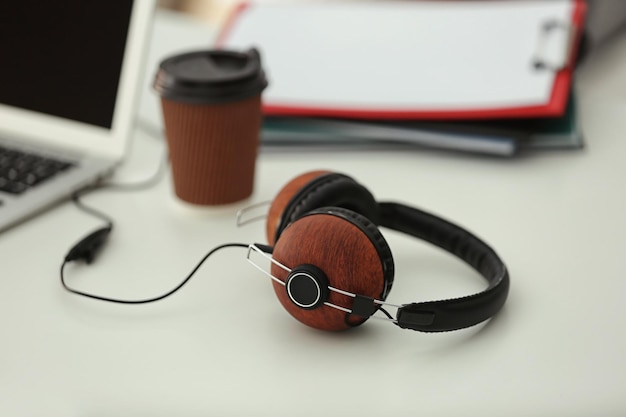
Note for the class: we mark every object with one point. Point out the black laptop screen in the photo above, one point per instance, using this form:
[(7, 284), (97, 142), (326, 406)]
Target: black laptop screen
[(63, 57)]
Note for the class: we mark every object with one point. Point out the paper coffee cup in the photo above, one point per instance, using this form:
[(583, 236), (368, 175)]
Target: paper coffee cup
[(211, 102)]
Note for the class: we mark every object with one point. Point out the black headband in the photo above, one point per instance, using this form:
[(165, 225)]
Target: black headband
[(456, 313)]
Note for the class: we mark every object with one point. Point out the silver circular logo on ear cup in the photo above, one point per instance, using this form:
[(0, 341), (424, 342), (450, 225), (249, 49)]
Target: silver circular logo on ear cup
[(304, 290)]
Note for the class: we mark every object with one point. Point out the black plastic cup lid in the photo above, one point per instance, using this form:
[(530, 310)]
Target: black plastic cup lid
[(211, 76)]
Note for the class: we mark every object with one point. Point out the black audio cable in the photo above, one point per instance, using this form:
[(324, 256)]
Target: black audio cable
[(145, 300)]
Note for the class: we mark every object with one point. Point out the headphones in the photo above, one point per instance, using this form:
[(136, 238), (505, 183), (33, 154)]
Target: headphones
[(332, 268)]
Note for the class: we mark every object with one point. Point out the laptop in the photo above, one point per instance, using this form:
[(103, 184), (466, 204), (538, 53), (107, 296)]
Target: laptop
[(70, 74)]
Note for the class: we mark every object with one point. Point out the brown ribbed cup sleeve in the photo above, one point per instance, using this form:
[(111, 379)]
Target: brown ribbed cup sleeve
[(213, 149)]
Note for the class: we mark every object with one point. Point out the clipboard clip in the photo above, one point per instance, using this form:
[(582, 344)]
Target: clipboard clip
[(555, 45)]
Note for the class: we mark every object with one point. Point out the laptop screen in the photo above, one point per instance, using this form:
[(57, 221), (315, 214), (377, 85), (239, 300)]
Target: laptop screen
[(63, 58)]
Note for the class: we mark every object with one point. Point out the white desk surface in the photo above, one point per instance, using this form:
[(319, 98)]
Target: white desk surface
[(224, 345)]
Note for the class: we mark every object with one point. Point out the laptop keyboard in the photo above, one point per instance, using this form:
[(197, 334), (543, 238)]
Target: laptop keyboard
[(20, 170)]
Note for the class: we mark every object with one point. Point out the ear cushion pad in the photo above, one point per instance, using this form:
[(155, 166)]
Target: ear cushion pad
[(373, 234), (333, 189)]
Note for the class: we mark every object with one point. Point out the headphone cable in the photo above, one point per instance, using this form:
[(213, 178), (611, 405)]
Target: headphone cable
[(146, 300), (87, 248)]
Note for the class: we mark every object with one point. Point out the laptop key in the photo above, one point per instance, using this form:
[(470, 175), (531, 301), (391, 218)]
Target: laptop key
[(12, 187), (20, 171)]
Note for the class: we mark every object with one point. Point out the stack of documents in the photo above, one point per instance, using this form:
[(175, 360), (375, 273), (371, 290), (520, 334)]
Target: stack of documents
[(478, 76)]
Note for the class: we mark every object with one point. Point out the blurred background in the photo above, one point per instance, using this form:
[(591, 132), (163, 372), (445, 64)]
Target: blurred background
[(604, 17), (211, 10)]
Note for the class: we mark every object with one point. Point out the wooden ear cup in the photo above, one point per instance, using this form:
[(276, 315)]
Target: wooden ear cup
[(313, 190), (325, 248), (283, 198)]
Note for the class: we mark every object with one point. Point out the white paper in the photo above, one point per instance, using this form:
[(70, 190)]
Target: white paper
[(402, 55)]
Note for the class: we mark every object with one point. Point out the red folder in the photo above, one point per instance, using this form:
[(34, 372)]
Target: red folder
[(552, 107)]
